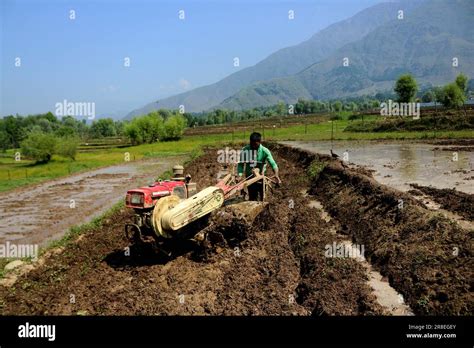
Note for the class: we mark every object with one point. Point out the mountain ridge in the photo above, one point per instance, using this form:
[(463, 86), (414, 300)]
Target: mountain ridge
[(415, 45), (284, 62)]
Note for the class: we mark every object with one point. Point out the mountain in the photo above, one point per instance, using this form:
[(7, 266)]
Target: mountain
[(424, 44), (285, 62)]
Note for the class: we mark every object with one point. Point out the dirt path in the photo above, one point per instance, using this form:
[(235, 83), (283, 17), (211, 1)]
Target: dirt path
[(277, 266), (45, 211)]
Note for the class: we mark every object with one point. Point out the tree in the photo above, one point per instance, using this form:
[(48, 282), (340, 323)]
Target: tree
[(155, 127), (145, 129), (4, 141), (14, 130), (104, 127), (438, 94), (191, 120), (406, 88), (173, 127), (337, 106), (119, 126), (461, 82), (39, 146), (428, 97), (164, 113), (453, 96), (132, 131), (281, 108), (64, 131), (300, 106), (67, 147)]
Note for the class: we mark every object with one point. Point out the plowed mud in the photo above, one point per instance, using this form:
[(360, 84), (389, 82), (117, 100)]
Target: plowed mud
[(276, 266), (451, 200)]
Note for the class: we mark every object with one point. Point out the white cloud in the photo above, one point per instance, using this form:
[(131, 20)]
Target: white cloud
[(184, 84)]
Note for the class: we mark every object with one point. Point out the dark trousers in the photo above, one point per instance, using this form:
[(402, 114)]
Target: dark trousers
[(256, 190)]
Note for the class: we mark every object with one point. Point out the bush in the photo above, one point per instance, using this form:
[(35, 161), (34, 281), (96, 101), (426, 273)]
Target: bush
[(354, 117), (39, 146), (406, 88), (145, 129), (4, 141), (67, 147), (173, 128), (453, 96), (105, 127), (132, 131)]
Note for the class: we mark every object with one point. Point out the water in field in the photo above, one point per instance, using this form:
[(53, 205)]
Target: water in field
[(398, 163), (41, 212)]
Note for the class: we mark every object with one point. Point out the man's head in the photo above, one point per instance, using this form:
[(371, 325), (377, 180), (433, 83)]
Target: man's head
[(255, 139)]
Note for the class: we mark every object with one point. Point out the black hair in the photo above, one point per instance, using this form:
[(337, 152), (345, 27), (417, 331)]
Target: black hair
[(255, 137)]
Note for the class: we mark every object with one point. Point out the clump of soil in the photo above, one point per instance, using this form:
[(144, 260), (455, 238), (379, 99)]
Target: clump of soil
[(450, 199)]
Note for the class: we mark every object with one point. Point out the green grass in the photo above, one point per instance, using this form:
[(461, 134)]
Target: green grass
[(15, 174), (315, 168)]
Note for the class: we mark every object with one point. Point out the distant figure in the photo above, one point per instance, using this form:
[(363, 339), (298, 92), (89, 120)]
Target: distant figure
[(334, 155)]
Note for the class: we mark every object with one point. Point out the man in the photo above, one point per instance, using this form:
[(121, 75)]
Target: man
[(256, 155)]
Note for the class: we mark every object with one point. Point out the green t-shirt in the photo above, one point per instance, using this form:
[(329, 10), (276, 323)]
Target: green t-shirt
[(255, 158)]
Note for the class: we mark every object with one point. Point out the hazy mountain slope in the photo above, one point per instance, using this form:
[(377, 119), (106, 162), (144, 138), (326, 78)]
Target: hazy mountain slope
[(424, 44), (284, 62)]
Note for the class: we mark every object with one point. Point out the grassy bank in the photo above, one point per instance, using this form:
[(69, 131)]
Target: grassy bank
[(425, 124)]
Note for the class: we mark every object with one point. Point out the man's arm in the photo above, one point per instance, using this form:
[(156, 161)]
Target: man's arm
[(273, 164)]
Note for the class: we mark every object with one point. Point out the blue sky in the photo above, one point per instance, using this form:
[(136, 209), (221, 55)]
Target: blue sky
[(83, 59)]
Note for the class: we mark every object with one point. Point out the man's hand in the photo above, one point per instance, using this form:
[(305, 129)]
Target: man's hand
[(277, 176), (238, 178)]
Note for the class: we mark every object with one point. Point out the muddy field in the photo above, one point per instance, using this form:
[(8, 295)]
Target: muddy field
[(39, 213), (277, 266)]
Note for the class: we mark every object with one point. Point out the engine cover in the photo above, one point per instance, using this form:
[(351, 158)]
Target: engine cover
[(193, 208)]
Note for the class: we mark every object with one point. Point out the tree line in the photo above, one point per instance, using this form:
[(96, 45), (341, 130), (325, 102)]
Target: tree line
[(406, 89), (453, 95), (41, 136)]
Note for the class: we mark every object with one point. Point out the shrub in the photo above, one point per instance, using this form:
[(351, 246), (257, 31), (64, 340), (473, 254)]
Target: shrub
[(453, 96), (173, 128), (406, 88), (39, 146), (67, 147)]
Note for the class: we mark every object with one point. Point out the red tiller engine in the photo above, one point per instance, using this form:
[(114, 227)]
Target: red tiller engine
[(143, 200)]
